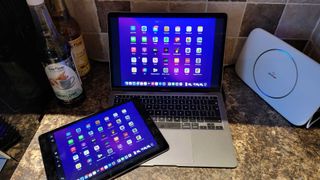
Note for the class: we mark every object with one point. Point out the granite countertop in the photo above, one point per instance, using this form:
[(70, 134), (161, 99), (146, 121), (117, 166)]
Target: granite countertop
[(267, 145)]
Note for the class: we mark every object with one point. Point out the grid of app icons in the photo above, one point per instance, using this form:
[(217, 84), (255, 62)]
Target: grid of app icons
[(115, 124), (178, 45), (175, 50)]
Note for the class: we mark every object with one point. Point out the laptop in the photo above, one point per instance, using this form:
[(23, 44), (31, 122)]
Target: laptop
[(173, 64)]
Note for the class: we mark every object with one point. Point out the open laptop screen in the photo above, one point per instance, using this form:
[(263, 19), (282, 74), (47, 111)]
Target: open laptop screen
[(166, 51)]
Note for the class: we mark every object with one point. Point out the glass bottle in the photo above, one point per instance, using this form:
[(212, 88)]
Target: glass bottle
[(57, 60), (69, 28)]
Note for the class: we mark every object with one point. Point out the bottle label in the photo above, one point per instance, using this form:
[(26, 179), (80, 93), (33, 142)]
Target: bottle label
[(79, 55), (64, 80)]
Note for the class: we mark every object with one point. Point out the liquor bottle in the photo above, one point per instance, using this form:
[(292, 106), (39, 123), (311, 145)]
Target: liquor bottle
[(57, 60), (69, 28)]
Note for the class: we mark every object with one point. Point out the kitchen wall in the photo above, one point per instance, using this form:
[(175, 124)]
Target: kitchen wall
[(295, 21)]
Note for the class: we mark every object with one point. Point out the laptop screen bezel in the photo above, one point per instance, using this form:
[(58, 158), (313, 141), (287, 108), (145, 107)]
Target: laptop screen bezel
[(115, 55)]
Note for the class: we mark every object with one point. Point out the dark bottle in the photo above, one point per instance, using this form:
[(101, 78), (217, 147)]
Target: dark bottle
[(69, 28), (57, 60)]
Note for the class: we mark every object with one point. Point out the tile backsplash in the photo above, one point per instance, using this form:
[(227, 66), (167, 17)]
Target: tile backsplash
[(295, 21)]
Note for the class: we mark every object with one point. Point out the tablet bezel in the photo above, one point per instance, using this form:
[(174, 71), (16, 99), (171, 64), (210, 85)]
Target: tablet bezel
[(49, 159)]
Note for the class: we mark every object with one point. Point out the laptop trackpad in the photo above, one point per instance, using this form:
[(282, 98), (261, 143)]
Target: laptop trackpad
[(180, 151)]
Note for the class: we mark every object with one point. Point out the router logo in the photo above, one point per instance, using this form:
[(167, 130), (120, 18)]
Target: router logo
[(273, 75)]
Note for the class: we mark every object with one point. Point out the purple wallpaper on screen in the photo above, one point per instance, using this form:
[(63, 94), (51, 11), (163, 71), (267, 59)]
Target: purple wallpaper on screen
[(190, 70), (74, 142)]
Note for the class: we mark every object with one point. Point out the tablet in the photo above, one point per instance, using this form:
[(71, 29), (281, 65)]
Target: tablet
[(104, 145)]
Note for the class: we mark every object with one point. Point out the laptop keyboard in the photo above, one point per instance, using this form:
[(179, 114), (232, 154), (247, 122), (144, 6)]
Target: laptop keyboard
[(180, 112)]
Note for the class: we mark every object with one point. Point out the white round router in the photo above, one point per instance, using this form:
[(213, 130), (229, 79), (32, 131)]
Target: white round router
[(284, 77), (275, 73)]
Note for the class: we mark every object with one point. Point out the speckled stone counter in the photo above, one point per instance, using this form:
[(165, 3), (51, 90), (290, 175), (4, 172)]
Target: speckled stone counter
[(267, 146)]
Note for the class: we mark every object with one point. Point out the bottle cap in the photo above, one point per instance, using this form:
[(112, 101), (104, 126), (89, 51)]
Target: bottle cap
[(34, 2)]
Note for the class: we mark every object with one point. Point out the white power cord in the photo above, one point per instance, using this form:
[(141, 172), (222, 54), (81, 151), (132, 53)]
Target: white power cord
[(310, 122)]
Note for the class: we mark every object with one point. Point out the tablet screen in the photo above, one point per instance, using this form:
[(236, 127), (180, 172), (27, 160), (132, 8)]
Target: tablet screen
[(101, 142)]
